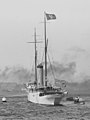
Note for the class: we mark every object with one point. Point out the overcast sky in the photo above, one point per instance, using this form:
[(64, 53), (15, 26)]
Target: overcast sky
[(19, 17)]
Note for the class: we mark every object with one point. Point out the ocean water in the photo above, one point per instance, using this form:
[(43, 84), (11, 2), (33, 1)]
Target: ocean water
[(18, 108)]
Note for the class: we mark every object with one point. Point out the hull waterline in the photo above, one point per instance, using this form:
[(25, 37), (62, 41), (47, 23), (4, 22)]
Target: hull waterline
[(52, 99)]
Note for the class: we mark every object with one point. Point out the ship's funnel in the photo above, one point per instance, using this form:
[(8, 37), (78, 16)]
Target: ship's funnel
[(40, 75)]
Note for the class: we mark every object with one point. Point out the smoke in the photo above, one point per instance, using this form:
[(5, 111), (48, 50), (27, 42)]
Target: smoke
[(63, 72), (16, 74), (74, 68)]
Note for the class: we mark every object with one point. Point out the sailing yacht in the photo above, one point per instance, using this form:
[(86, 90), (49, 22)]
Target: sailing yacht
[(39, 91)]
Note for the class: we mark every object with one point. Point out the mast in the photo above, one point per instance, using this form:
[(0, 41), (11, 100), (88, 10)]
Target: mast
[(35, 56), (45, 49)]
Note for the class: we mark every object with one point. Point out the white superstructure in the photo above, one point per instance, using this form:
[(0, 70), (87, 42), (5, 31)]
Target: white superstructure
[(48, 95)]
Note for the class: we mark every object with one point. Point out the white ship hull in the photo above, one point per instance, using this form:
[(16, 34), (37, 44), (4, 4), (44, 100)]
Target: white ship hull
[(51, 99)]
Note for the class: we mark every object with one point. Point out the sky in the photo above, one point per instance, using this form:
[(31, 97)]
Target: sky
[(18, 18)]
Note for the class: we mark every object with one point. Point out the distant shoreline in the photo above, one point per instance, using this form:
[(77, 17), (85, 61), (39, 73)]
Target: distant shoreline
[(25, 95)]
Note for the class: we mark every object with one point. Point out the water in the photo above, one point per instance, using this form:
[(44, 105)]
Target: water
[(17, 108)]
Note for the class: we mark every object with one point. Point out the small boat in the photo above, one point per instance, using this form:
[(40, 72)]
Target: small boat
[(69, 99), (39, 91), (78, 100), (4, 99)]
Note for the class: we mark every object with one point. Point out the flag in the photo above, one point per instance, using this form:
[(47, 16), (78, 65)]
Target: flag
[(50, 16)]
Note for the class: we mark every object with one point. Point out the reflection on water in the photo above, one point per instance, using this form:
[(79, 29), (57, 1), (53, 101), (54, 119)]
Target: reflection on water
[(17, 108)]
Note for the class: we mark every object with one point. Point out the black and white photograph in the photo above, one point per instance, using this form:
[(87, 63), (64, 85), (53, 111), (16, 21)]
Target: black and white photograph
[(44, 59)]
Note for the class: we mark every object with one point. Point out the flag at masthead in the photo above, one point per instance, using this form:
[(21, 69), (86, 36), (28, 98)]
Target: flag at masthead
[(50, 16)]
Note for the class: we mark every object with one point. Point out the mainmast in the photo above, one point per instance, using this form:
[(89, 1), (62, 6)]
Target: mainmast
[(45, 49), (49, 17)]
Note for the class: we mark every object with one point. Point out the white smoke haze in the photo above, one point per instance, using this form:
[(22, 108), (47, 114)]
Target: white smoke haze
[(16, 74), (74, 67)]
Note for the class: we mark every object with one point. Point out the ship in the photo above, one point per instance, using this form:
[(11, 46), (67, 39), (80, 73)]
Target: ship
[(39, 92)]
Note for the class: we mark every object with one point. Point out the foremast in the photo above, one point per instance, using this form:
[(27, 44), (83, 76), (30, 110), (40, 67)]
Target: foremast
[(35, 56)]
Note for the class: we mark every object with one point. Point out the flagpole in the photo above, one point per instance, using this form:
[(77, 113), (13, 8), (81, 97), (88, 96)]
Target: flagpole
[(45, 49)]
